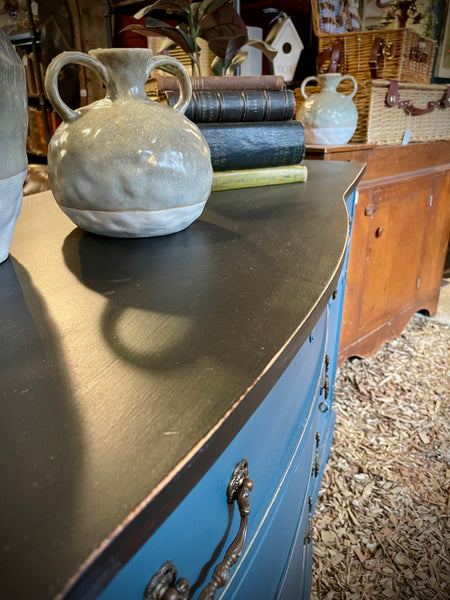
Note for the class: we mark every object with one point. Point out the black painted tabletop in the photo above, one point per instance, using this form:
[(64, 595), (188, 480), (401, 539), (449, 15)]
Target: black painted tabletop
[(118, 357)]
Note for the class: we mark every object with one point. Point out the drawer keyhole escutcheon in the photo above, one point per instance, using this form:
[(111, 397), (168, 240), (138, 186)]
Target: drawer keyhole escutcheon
[(164, 584)]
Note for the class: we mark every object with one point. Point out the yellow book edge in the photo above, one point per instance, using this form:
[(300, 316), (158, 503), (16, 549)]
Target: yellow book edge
[(246, 178)]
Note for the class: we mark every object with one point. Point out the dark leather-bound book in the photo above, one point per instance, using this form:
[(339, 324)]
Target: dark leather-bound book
[(237, 105), (253, 145)]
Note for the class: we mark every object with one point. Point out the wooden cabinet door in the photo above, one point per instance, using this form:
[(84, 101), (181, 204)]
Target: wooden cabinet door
[(436, 236), (396, 233), (355, 272)]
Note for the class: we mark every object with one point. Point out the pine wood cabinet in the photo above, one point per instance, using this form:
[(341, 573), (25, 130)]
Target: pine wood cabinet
[(400, 238)]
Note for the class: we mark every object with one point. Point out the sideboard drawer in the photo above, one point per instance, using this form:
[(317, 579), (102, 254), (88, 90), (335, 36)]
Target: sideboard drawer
[(276, 442), (296, 581), (261, 568)]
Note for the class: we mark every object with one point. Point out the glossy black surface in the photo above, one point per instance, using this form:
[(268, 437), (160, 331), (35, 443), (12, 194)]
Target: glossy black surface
[(127, 366)]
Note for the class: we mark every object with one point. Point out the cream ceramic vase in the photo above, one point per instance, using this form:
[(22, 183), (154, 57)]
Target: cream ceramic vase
[(13, 136), (329, 117), (127, 166)]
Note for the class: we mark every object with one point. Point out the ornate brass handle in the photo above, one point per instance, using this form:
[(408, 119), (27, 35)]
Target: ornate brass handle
[(164, 584)]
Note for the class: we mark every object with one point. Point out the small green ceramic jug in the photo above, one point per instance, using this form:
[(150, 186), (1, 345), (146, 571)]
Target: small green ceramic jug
[(329, 117), (127, 166)]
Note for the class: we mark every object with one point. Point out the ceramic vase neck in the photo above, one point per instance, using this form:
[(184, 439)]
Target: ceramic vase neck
[(128, 70), (329, 81)]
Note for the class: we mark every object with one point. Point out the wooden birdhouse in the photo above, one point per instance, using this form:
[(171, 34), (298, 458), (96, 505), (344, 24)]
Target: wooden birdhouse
[(284, 38)]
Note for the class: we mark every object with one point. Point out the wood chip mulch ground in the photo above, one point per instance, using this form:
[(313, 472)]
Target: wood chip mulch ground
[(382, 523)]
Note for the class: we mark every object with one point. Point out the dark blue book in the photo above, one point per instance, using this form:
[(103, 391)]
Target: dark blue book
[(249, 145), (225, 106)]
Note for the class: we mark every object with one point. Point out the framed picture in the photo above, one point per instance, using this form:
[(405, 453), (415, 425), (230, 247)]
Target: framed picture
[(372, 12), (442, 67), (423, 16)]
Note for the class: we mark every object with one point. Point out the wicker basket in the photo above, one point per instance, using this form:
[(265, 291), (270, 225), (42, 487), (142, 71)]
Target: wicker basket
[(400, 54), (381, 124)]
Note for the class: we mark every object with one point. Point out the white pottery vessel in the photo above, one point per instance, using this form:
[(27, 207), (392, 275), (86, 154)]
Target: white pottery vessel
[(127, 166), (13, 135), (329, 117)]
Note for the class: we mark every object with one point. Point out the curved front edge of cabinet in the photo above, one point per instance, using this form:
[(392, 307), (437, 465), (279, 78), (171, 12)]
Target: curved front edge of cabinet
[(308, 288), (164, 584)]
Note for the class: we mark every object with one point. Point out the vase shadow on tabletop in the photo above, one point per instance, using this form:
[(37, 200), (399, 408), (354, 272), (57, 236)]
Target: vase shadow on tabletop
[(40, 461), (184, 276), (161, 276)]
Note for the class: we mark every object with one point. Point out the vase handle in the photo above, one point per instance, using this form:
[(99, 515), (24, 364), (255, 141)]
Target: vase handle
[(305, 82), (174, 67), (51, 79), (355, 85)]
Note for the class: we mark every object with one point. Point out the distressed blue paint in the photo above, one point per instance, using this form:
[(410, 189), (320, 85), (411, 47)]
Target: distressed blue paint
[(279, 442)]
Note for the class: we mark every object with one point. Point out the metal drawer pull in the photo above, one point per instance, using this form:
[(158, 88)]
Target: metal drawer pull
[(238, 489), (316, 463), (325, 387), (310, 527), (164, 584)]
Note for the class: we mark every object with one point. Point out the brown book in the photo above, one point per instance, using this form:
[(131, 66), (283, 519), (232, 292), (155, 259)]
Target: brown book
[(36, 139), (53, 121), (246, 82), (33, 139), (30, 75)]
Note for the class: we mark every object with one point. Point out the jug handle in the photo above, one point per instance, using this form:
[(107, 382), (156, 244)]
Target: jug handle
[(174, 67), (51, 80), (305, 82), (355, 85)]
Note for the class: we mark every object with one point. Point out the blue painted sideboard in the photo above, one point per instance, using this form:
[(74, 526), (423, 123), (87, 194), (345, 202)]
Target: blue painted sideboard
[(183, 386), (286, 443)]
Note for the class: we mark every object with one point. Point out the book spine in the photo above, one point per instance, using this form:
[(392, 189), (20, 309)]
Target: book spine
[(219, 106), (228, 106), (236, 146), (244, 82), (247, 178)]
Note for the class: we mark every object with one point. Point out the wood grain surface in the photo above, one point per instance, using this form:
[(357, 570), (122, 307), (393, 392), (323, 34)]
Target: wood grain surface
[(400, 238), (387, 161)]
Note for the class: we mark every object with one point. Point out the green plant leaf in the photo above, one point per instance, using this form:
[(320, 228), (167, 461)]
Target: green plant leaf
[(226, 47), (217, 66), (225, 32), (230, 67), (180, 7), (185, 29), (195, 6), (265, 48), (239, 58), (164, 30), (226, 66), (208, 6), (166, 45)]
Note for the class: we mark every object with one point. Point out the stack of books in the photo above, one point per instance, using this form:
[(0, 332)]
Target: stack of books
[(248, 123)]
